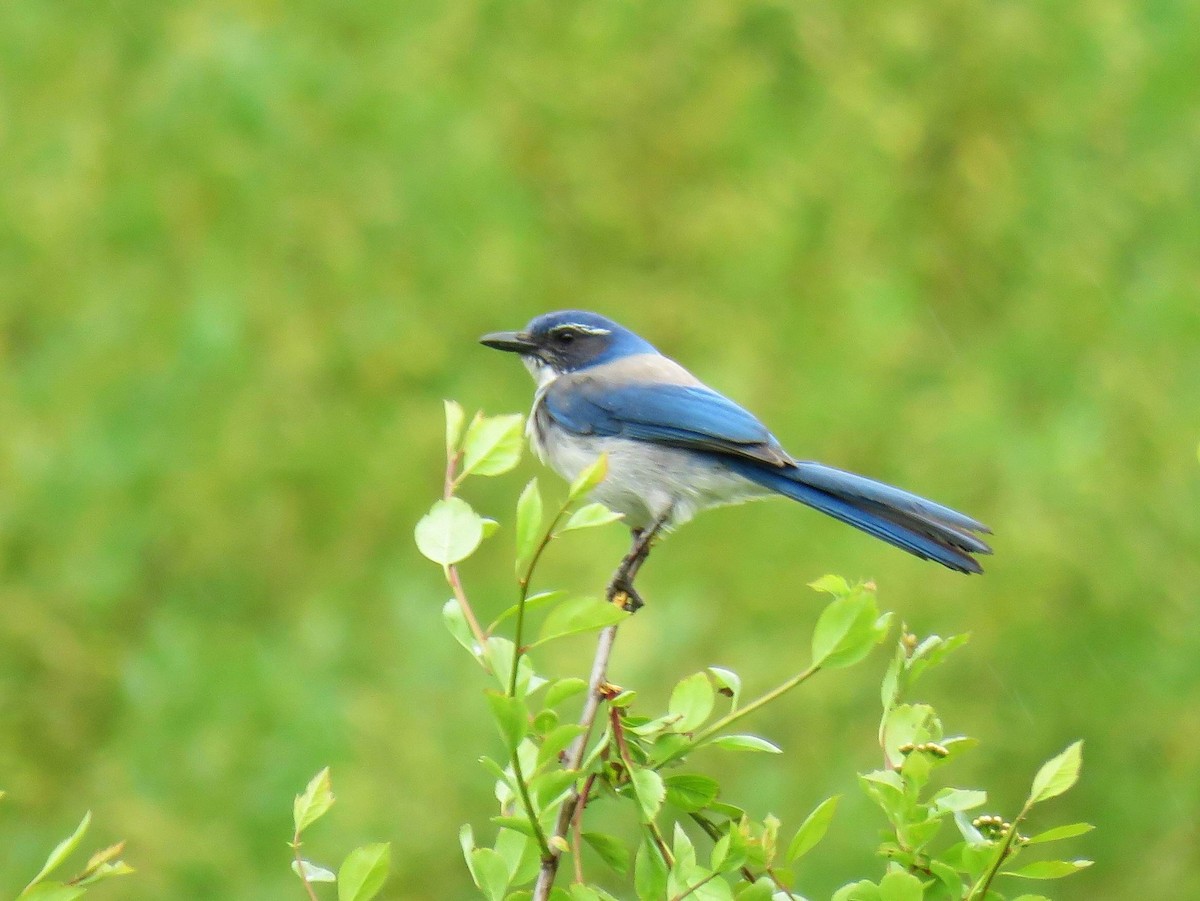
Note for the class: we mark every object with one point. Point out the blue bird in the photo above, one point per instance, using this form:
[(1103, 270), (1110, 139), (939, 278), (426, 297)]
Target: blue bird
[(676, 447)]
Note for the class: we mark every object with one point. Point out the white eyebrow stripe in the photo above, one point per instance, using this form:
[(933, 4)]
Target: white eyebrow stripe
[(580, 327)]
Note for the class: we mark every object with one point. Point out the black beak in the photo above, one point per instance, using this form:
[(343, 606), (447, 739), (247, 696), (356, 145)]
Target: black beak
[(514, 342)]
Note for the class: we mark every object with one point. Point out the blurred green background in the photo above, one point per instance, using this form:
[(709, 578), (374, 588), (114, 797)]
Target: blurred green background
[(246, 250)]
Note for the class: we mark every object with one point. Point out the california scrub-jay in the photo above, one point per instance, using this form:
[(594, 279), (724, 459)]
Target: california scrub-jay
[(676, 447)]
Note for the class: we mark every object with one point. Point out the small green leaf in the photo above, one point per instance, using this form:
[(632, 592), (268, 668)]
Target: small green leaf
[(1031, 898), (306, 869), (611, 850), (847, 630), (1061, 832), (900, 886), (558, 740), (745, 743), (691, 702), (512, 719), (491, 873), (650, 791), (591, 476), (863, 890), (363, 872), (1049, 869), (813, 829), (949, 800), (691, 792), (649, 874), (314, 803), (529, 524), (449, 532), (581, 892), (61, 851), (511, 845), (763, 889), (493, 445), (562, 689), (455, 417), (728, 683), (456, 625), (549, 786), (578, 616), (1057, 774), (831, 584), (466, 841), (589, 517)]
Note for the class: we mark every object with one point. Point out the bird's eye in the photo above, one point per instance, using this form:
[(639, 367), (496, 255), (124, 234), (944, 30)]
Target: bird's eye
[(565, 337)]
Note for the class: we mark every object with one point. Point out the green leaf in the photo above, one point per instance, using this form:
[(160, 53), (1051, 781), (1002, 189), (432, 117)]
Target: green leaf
[(949, 800), (313, 873), (534, 601), (491, 873), (466, 841), (449, 532), (51, 891), (745, 743), (1061, 832), (61, 851), (511, 845), (589, 517), (728, 683), (363, 872), (581, 892), (611, 850), (691, 702), (831, 584), (314, 803), (650, 791), (456, 625), (578, 616), (863, 890), (549, 786), (762, 890), (649, 874), (1057, 774), (493, 445), (529, 524), (1032, 898), (900, 886), (847, 630), (813, 829), (564, 688), (512, 719), (592, 476), (558, 740), (1049, 869), (691, 792), (455, 417)]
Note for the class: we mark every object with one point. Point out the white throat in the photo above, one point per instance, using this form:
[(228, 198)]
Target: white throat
[(543, 373)]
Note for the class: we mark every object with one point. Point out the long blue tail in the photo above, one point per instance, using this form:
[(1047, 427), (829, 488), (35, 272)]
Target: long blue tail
[(917, 525)]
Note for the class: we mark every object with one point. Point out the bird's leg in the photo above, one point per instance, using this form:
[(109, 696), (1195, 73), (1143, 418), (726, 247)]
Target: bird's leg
[(620, 589)]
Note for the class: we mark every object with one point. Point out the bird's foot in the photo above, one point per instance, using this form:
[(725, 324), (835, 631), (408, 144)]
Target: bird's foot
[(622, 593)]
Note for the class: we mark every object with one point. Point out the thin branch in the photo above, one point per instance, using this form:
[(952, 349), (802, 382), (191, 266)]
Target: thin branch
[(587, 718), (452, 571), (577, 826), (729, 719)]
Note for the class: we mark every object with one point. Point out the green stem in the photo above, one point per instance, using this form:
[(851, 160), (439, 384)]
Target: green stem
[(729, 719), (530, 813), (523, 596), (980, 889)]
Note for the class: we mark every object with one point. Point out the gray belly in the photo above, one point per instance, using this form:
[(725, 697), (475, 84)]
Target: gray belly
[(645, 481)]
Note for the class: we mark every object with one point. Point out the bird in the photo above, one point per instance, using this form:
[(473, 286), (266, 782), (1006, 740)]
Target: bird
[(676, 447)]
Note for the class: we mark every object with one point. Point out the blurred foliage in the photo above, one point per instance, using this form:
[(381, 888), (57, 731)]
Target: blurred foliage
[(245, 251)]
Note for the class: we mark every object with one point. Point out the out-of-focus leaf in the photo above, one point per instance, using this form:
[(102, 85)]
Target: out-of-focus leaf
[(363, 872), (314, 802), (529, 524), (900, 886), (611, 850), (592, 476), (491, 873), (650, 791), (1049, 869), (511, 717), (62, 850), (1059, 833), (813, 829), (578, 616), (745, 743), (455, 418), (313, 873), (590, 516)]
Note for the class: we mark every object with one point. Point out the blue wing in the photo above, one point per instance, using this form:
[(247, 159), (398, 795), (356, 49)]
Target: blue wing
[(679, 415)]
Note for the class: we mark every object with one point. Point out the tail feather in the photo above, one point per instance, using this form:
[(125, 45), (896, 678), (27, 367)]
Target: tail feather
[(921, 527)]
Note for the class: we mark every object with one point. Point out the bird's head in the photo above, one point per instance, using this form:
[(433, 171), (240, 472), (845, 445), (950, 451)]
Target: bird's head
[(568, 341)]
